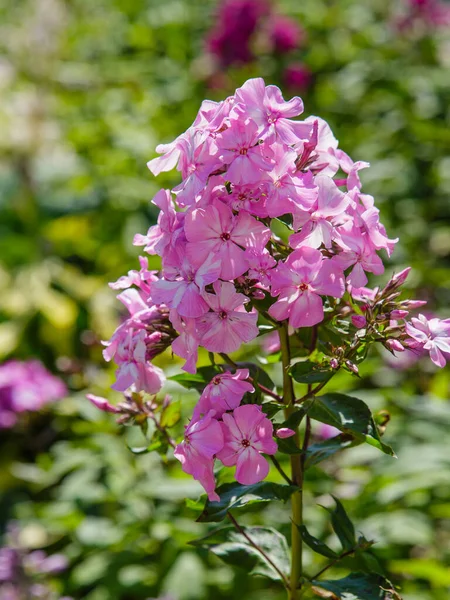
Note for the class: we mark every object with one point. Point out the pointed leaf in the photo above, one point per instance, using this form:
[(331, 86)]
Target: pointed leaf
[(288, 446), (171, 414), (309, 372), (350, 415), (315, 544), (234, 495), (342, 525), (234, 549), (294, 420), (358, 586), (195, 381), (320, 451)]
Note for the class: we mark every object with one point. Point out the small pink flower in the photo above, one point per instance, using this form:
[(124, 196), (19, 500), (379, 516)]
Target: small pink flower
[(224, 392), (260, 265), (299, 283), (229, 324), (215, 230), (202, 440), (432, 335), (247, 433)]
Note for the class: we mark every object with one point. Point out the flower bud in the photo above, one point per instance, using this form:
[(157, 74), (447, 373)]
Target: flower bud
[(412, 304), (359, 321), (352, 367), (399, 278), (394, 345), (398, 314), (258, 294), (284, 432), (334, 363), (102, 403)]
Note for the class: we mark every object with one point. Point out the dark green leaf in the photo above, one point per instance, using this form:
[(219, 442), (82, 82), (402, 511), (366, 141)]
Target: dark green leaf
[(350, 415), (315, 544), (234, 549), (271, 408), (342, 525), (320, 451), (196, 381), (359, 586), (288, 446), (171, 414), (258, 374), (296, 417), (309, 372), (234, 495)]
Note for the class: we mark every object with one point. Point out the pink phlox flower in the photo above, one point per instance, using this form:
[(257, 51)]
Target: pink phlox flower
[(170, 156), (202, 440), (215, 230), (351, 168), (367, 217), (141, 279), (268, 109), (323, 154), (130, 354), (212, 115), (197, 160), (433, 335), (359, 252), (102, 403), (229, 324), (299, 283), (285, 34), (247, 433), (260, 265), (224, 392), (290, 191), (182, 287), (187, 343), (250, 198), (319, 224), (168, 230), (363, 294), (239, 148)]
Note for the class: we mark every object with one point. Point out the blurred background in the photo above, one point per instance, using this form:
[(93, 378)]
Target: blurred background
[(88, 89)]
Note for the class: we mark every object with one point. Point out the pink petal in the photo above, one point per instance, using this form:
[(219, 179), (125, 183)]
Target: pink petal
[(251, 467)]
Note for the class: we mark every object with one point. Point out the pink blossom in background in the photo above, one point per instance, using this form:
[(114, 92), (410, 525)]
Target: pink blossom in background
[(285, 34), (26, 386), (297, 77), (247, 433), (202, 440), (432, 335)]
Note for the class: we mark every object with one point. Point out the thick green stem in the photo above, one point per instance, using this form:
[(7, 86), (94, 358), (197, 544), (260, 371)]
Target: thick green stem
[(296, 468)]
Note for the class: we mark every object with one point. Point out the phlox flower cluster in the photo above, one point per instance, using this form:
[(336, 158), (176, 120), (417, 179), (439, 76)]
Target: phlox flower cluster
[(26, 386), (247, 164)]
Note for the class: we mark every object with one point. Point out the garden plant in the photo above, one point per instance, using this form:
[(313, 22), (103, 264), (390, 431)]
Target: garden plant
[(269, 240)]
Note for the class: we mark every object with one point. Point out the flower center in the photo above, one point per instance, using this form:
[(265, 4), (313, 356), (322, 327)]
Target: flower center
[(223, 314), (225, 236), (245, 443), (303, 287), (243, 151), (216, 381)]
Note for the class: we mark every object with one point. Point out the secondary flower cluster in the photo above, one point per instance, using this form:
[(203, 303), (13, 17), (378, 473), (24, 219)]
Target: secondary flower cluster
[(269, 221), (26, 386)]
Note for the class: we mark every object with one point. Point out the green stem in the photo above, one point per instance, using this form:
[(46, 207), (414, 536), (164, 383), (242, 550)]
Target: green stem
[(296, 469)]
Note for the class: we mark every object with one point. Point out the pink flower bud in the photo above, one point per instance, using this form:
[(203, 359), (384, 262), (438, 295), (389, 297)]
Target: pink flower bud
[(398, 314), (412, 304), (258, 294), (334, 363), (102, 403), (394, 345), (399, 278), (284, 432), (359, 321), (351, 366)]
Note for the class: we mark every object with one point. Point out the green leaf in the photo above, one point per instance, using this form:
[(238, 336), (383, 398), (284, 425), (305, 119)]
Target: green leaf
[(171, 414), (342, 525), (309, 372), (196, 381), (315, 544), (258, 374), (320, 451), (350, 415), (234, 549), (288, 446), (358, 586), (234, 495), (296, 417)]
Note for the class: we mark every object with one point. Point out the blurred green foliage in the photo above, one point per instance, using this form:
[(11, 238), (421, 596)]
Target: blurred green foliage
[(88, 90)]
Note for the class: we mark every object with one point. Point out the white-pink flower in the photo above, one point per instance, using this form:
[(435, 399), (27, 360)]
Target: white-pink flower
[(432, 335), (247, 433), (224, 392)]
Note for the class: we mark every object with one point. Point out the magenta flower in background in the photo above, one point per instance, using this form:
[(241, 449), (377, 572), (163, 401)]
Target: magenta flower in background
[(297, 77), (236, 22), (247, 433), (26, 386), (285, 34)]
